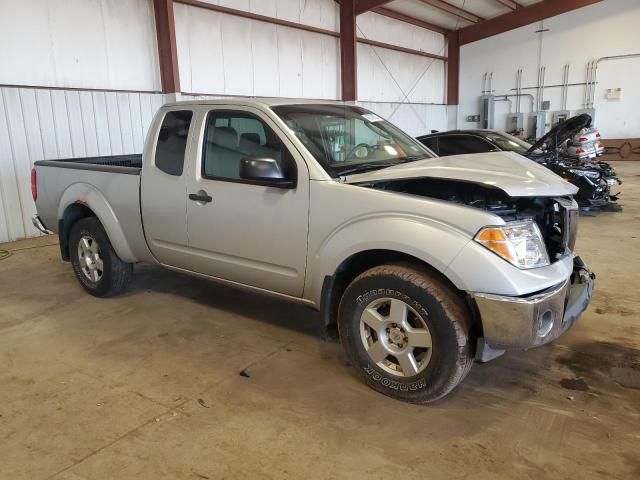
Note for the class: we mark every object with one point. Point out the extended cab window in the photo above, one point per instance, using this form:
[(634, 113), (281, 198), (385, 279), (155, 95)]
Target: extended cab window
[(172, 141), (232, 136), (460, 144)]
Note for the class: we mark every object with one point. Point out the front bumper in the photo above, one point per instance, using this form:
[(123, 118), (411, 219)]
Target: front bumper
[(525, 322)]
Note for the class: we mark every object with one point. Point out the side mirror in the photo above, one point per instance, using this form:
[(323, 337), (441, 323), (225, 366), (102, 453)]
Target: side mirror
[(264, 171)]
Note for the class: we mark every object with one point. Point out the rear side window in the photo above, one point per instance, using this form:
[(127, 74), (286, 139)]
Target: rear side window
[(172, 141), (460, 144)]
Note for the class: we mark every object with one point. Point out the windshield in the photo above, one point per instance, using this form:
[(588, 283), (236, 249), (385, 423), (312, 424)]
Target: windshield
[(348, 139), (508, 142)]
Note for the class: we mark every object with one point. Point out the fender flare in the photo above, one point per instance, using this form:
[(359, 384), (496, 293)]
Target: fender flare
[(92, 198), (435, 243)]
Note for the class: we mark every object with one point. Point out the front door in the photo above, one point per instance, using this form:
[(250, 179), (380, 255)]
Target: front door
[(240, 230)]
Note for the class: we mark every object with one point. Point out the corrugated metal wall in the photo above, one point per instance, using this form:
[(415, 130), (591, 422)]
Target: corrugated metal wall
[(43, 124), (229, 55), (414, 118), (406, 89), (259, 59), (79, 43)]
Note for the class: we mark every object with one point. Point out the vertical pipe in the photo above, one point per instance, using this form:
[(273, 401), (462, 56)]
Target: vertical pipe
[(538, 89), (520, 92), (517, 91), (588, 86), (544, 78), (594, 81), (585, 91), (565, 87)]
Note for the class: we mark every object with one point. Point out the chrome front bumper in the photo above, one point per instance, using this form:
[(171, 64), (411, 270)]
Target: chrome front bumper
[(525, 322)]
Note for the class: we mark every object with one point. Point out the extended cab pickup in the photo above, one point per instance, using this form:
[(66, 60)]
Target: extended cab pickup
[(422, 265)]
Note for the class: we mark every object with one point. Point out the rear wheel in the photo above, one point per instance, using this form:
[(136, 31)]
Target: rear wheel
[(95, 263), (407, 332)]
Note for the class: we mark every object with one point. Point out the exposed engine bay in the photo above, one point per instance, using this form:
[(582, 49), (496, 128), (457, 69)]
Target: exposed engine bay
[(550, 214)]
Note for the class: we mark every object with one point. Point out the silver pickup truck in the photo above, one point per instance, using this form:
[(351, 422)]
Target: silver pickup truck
[(422, 265)]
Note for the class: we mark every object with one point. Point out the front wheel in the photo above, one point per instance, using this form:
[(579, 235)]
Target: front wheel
[(406, 332), (95, 263)]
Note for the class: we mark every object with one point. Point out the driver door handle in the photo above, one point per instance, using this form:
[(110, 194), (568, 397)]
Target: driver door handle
[(200, 197)]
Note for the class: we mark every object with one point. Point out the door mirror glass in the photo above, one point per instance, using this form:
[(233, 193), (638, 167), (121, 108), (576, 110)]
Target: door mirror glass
[(267, 171)]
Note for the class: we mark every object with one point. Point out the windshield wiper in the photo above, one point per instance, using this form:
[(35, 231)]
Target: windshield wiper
[(363, 167), (413, 158)]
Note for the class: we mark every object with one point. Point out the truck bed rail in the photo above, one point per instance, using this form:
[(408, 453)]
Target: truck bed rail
[(127, 164)]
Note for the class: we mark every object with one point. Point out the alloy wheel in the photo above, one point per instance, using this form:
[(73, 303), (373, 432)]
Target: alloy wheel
[(90, 259), (396, 337)]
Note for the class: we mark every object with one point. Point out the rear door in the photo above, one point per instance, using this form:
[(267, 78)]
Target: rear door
[(163, 191), (240, 230)]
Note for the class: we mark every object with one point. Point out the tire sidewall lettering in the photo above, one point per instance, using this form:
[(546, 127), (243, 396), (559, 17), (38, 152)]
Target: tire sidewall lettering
[(394, 384), (373, 373)]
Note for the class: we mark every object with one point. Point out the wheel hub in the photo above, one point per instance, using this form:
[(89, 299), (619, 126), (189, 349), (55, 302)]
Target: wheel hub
[(397, 336)]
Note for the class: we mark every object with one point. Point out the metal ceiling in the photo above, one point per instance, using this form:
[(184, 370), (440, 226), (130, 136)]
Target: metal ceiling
[(456, 14)]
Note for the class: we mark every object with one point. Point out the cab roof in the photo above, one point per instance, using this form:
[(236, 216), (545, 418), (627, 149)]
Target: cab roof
[(258, 101)]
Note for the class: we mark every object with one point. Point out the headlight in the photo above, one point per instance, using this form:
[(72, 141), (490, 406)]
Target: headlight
[(520, 243), (585, 173)]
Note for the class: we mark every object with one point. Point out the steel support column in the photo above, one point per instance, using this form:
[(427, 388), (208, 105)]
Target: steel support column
[(348, 50), (453, 67), (167, 50)]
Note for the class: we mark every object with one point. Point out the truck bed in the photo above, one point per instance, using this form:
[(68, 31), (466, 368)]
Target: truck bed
[(110, 186), (128, 164)]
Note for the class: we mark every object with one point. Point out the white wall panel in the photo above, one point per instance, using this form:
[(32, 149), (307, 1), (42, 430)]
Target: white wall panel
[(290, 60), (39, 124), (228, 55), (387, 75), (387, 30), (317, 13), (414, 118), (237, 63), (108, 44), (266, 61)]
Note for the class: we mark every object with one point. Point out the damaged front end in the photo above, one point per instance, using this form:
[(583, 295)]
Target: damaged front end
[(556, 217), (519, 322)]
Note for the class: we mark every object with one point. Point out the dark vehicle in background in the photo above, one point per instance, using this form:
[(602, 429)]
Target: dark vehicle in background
[(594, 178)]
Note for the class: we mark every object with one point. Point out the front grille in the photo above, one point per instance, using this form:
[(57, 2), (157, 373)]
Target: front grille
[(569, 216), (571, 228)]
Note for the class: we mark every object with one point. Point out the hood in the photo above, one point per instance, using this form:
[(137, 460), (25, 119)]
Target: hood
[(561, 133), (514, 174)]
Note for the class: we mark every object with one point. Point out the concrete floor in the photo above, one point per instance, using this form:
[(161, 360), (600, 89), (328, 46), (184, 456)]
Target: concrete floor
[(147, 385)]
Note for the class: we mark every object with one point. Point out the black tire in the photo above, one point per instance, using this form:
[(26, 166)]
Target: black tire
[(115, 274), (443, 311)]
